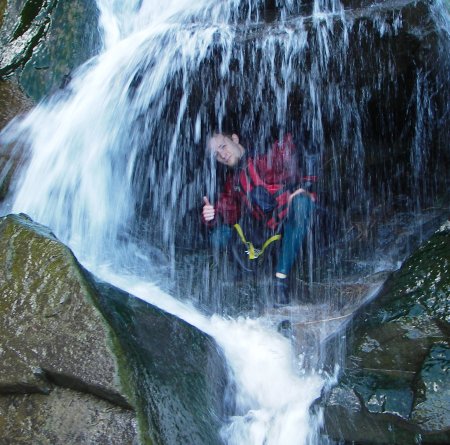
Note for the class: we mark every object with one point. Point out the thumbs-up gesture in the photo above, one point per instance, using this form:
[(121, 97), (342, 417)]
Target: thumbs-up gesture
[(208, 210)]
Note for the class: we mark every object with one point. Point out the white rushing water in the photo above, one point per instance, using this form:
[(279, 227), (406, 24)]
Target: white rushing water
[(83, 151)]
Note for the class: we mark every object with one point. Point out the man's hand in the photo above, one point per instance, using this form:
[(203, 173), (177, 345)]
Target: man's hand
[(208, 210)]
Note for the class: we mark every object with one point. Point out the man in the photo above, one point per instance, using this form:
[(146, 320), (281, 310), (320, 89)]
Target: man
[(265, 189)]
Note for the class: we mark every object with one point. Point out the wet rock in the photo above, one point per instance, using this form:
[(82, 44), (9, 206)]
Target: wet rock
[(43, 42), (179, 373), (397, 362), (24, 24), (14, 102), (52, 331), (64, 417), (431, 409), (81, 360), (53, 337)]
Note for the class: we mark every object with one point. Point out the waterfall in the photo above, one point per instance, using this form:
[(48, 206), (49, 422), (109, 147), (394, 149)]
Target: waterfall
[(115, 164)]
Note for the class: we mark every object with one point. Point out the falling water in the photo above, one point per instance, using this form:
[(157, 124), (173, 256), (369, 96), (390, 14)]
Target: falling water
[(115, 164)]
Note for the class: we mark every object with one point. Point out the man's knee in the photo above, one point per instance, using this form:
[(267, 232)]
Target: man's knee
[(300, 207), (220, 236)]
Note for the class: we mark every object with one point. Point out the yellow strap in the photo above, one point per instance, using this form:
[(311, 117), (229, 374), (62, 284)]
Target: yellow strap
[(252, 252)]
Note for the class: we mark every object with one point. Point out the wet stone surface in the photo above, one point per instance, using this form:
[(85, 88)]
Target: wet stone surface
[(43, 42), (398, 355), (59, 365)]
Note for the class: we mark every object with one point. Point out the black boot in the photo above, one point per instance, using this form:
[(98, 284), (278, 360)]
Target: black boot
[(285, 329), (281, 293)]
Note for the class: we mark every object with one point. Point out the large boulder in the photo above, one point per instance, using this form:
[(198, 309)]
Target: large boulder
[(59, 368), (395, 385), (81, 360)]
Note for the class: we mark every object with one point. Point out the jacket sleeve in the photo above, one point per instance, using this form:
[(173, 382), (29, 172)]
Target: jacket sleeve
[(281, 164), (286, 159)]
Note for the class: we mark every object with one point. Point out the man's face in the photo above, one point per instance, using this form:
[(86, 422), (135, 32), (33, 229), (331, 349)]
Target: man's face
[(227, 151)]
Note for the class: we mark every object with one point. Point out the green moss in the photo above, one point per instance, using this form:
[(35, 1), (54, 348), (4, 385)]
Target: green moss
[(425, 279), (418, 291), (2, 11)]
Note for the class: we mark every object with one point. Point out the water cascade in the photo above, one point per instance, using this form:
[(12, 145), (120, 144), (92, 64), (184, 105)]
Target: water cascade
[(115, 165)]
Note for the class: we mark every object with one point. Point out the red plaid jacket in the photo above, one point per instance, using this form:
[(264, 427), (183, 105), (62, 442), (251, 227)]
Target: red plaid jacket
[(277, 172)]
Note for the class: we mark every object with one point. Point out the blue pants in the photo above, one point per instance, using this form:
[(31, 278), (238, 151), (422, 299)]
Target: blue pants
[(295, 228)]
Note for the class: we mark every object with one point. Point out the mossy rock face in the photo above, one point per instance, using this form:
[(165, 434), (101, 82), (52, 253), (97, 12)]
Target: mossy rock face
[(419, 290), (43, 41), (398, 358), (2, 11), (52, 335)]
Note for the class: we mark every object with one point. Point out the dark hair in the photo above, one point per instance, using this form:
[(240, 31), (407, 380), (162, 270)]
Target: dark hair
[(215, 133)]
